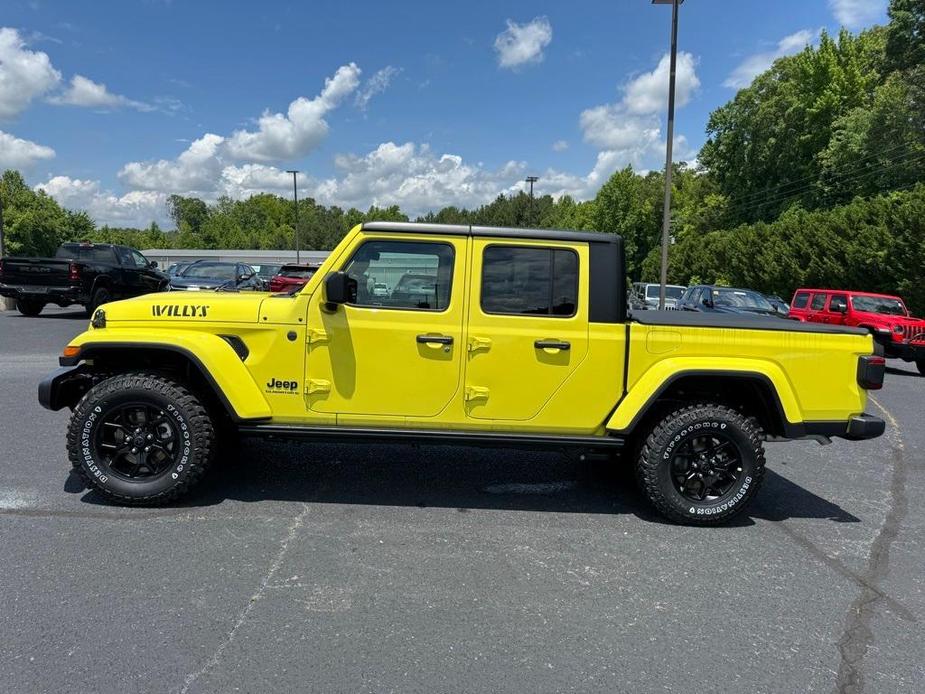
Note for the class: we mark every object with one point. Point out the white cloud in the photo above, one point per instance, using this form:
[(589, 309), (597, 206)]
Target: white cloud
[(85, 92), (376, 84), (755, 64), (196, 169), (137, 208), (522, 44), (648, 93), (301, 129), (629, 131), (24, 74), (16, 153), (559, 146), (414, 177), (856, 14)]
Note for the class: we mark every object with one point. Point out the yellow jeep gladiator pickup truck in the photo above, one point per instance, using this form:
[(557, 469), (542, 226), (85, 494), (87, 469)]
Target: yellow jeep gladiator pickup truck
[(485, 336)]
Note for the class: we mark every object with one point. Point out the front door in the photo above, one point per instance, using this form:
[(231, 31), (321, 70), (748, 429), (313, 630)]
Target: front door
[(528, 325), (395, 351)]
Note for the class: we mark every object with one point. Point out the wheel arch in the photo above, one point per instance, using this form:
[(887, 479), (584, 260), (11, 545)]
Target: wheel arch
[(754, 393), (217, 373)]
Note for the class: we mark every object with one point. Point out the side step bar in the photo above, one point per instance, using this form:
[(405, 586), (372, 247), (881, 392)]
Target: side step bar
[(428, 436)]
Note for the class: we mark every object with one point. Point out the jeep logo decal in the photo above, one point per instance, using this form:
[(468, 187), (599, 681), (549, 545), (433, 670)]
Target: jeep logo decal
[(274, 385), (178, 311)]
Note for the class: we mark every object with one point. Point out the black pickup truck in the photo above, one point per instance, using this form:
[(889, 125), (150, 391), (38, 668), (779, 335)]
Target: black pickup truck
[(88, 274)]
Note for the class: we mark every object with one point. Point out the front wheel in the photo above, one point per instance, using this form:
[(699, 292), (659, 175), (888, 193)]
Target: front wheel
[(140, 438), (701, 464)]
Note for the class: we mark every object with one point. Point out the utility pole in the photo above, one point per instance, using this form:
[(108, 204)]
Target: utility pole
[(295, 201), (2, 246), (666, 213), (531, 180)]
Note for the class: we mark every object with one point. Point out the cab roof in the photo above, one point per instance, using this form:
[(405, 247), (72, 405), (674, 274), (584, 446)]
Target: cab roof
[(848, 291), (505, 232)]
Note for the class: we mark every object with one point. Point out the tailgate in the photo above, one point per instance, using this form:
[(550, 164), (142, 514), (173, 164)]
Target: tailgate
[(43, 272)]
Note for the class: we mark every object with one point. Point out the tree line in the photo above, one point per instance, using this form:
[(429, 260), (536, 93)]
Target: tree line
[(810, 175)]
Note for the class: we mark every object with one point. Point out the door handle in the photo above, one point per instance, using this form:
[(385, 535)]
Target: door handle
[(552, 344), (435, 339)]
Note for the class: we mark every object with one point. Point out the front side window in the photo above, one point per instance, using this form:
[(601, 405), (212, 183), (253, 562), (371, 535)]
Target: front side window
[(838, 303), (138, 259), (415, 275), (818, 302), (800, 300), (529, 281)]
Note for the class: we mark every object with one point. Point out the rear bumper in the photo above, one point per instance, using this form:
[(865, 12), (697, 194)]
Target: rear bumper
[(857, 428), (53, 295)]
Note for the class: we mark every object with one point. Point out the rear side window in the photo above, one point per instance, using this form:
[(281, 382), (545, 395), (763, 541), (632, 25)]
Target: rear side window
[(818, 302), (800, 300), (529, 281)]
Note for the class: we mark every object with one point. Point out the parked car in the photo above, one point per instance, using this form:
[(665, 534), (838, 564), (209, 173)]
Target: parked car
[(176, 268), (781, 306), (266, 272), (291, 276), (900, 334), (527, 345), (88, 274), (214, 274), (645, 296), (712, 299), (381, 289)]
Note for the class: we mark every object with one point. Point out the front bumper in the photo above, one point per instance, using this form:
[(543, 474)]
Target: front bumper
[(63, 387), (907, 351)]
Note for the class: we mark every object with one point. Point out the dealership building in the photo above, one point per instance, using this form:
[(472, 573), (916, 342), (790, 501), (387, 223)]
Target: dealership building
[(167, 256)]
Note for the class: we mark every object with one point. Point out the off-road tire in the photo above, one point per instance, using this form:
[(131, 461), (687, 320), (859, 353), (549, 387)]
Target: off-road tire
[(100, 296), (190, 418), (653, 466), (29, 307)]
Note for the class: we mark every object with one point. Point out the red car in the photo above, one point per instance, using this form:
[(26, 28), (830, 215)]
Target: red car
[(900, 334), (292, 276)]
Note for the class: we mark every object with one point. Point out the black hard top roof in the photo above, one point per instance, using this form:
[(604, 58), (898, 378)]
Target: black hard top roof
[(505, 232)]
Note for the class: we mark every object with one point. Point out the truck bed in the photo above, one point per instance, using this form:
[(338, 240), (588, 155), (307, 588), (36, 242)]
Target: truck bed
[(694, 319)]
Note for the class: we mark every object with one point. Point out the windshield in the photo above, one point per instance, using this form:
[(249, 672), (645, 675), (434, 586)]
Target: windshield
[(218, 271), (879, 304), (266, 270), (296, 272), (671, 291), (740, 298)]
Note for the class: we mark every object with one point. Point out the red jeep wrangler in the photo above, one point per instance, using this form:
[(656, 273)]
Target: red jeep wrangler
[(901, 335)]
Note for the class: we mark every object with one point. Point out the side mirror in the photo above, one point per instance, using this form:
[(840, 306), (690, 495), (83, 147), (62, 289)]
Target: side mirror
[(840, 307), (244, 277), (339, 288), (152, 264)]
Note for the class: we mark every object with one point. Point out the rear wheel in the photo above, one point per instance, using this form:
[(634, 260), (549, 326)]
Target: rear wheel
[(29, 307), (140, 438), (701, 464)]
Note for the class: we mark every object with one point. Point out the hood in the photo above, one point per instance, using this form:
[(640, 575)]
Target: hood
[(188, 307), (203, 282)]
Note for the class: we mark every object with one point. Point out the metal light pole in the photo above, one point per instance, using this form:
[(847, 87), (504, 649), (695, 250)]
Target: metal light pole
[(295, 201), (666, 214)]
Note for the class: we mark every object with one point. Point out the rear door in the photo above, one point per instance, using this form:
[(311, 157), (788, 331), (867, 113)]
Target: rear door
[(527, 327), (815, 312)]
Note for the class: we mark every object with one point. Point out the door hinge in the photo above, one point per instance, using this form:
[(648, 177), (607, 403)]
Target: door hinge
[(476, 393), (477, 343), (316, 385), (315, 336)]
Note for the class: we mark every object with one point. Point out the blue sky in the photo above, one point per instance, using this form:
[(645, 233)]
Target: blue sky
[(112, 106)]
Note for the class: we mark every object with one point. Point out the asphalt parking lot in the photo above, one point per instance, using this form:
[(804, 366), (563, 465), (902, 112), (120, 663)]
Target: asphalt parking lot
[(342, 568)]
